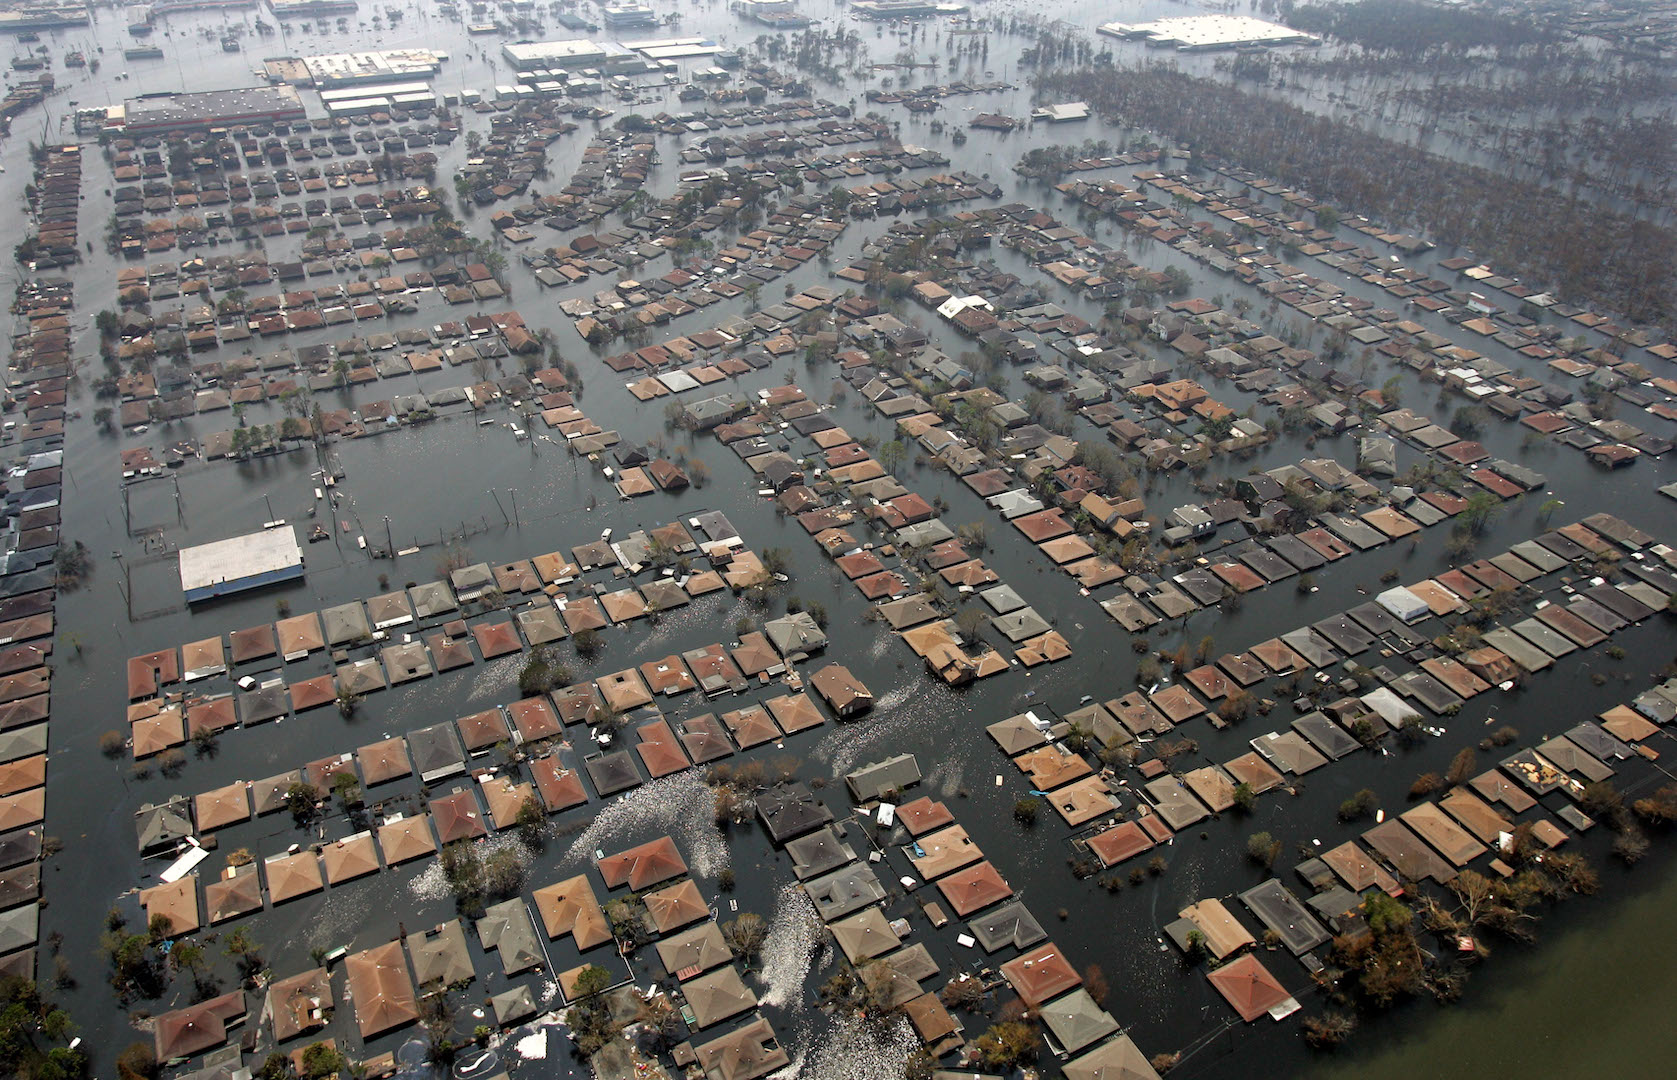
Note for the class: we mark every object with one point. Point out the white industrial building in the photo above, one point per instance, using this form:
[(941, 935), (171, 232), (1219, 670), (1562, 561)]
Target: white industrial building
[(1197, 33)]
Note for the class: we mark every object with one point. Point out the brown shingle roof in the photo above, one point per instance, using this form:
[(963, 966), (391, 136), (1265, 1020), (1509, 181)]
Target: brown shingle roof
[(644, 865)]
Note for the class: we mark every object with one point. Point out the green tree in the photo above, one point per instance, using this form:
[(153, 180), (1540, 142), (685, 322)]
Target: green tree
[(588, 643), (1025, 810), (137, 1062), (188, 956), (242, 947), (348, 790), (1391, 392), (1480, 513), (591, 980), (34, 1034), (320, 1060), (531, 817), (302, 799), (1008, 1044)]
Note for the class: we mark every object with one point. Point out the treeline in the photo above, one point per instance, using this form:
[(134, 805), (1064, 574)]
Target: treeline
[(1413, 28), (1556, 77), (1548, 113), (1545, 236)]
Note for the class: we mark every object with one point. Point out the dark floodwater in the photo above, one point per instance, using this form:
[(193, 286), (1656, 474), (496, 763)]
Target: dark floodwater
[(436, 481)]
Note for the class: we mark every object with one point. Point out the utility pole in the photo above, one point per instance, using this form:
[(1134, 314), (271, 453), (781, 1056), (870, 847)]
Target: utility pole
[(493, 494)]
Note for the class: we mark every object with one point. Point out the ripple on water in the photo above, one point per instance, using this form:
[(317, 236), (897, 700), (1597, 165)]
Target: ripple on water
[(339, 917), (946, 776), (851, 1049), (432, 884), (794, 935), (495, 678), (679, 805), (891, 721), (683, 622)]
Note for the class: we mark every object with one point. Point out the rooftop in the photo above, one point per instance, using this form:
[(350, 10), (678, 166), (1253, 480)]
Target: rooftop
[(239, 563), (157, 112)]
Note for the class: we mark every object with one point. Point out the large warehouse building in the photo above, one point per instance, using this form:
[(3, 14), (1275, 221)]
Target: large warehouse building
[(576, 53), (211, 109), (240, 563)]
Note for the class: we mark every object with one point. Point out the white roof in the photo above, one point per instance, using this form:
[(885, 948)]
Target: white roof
[(240, 557), (1403, 603), (957, 304), (1209, 31), (1392, 709), (530, 51)]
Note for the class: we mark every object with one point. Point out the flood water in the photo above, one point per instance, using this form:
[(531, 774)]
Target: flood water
[(1556, 1009)]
